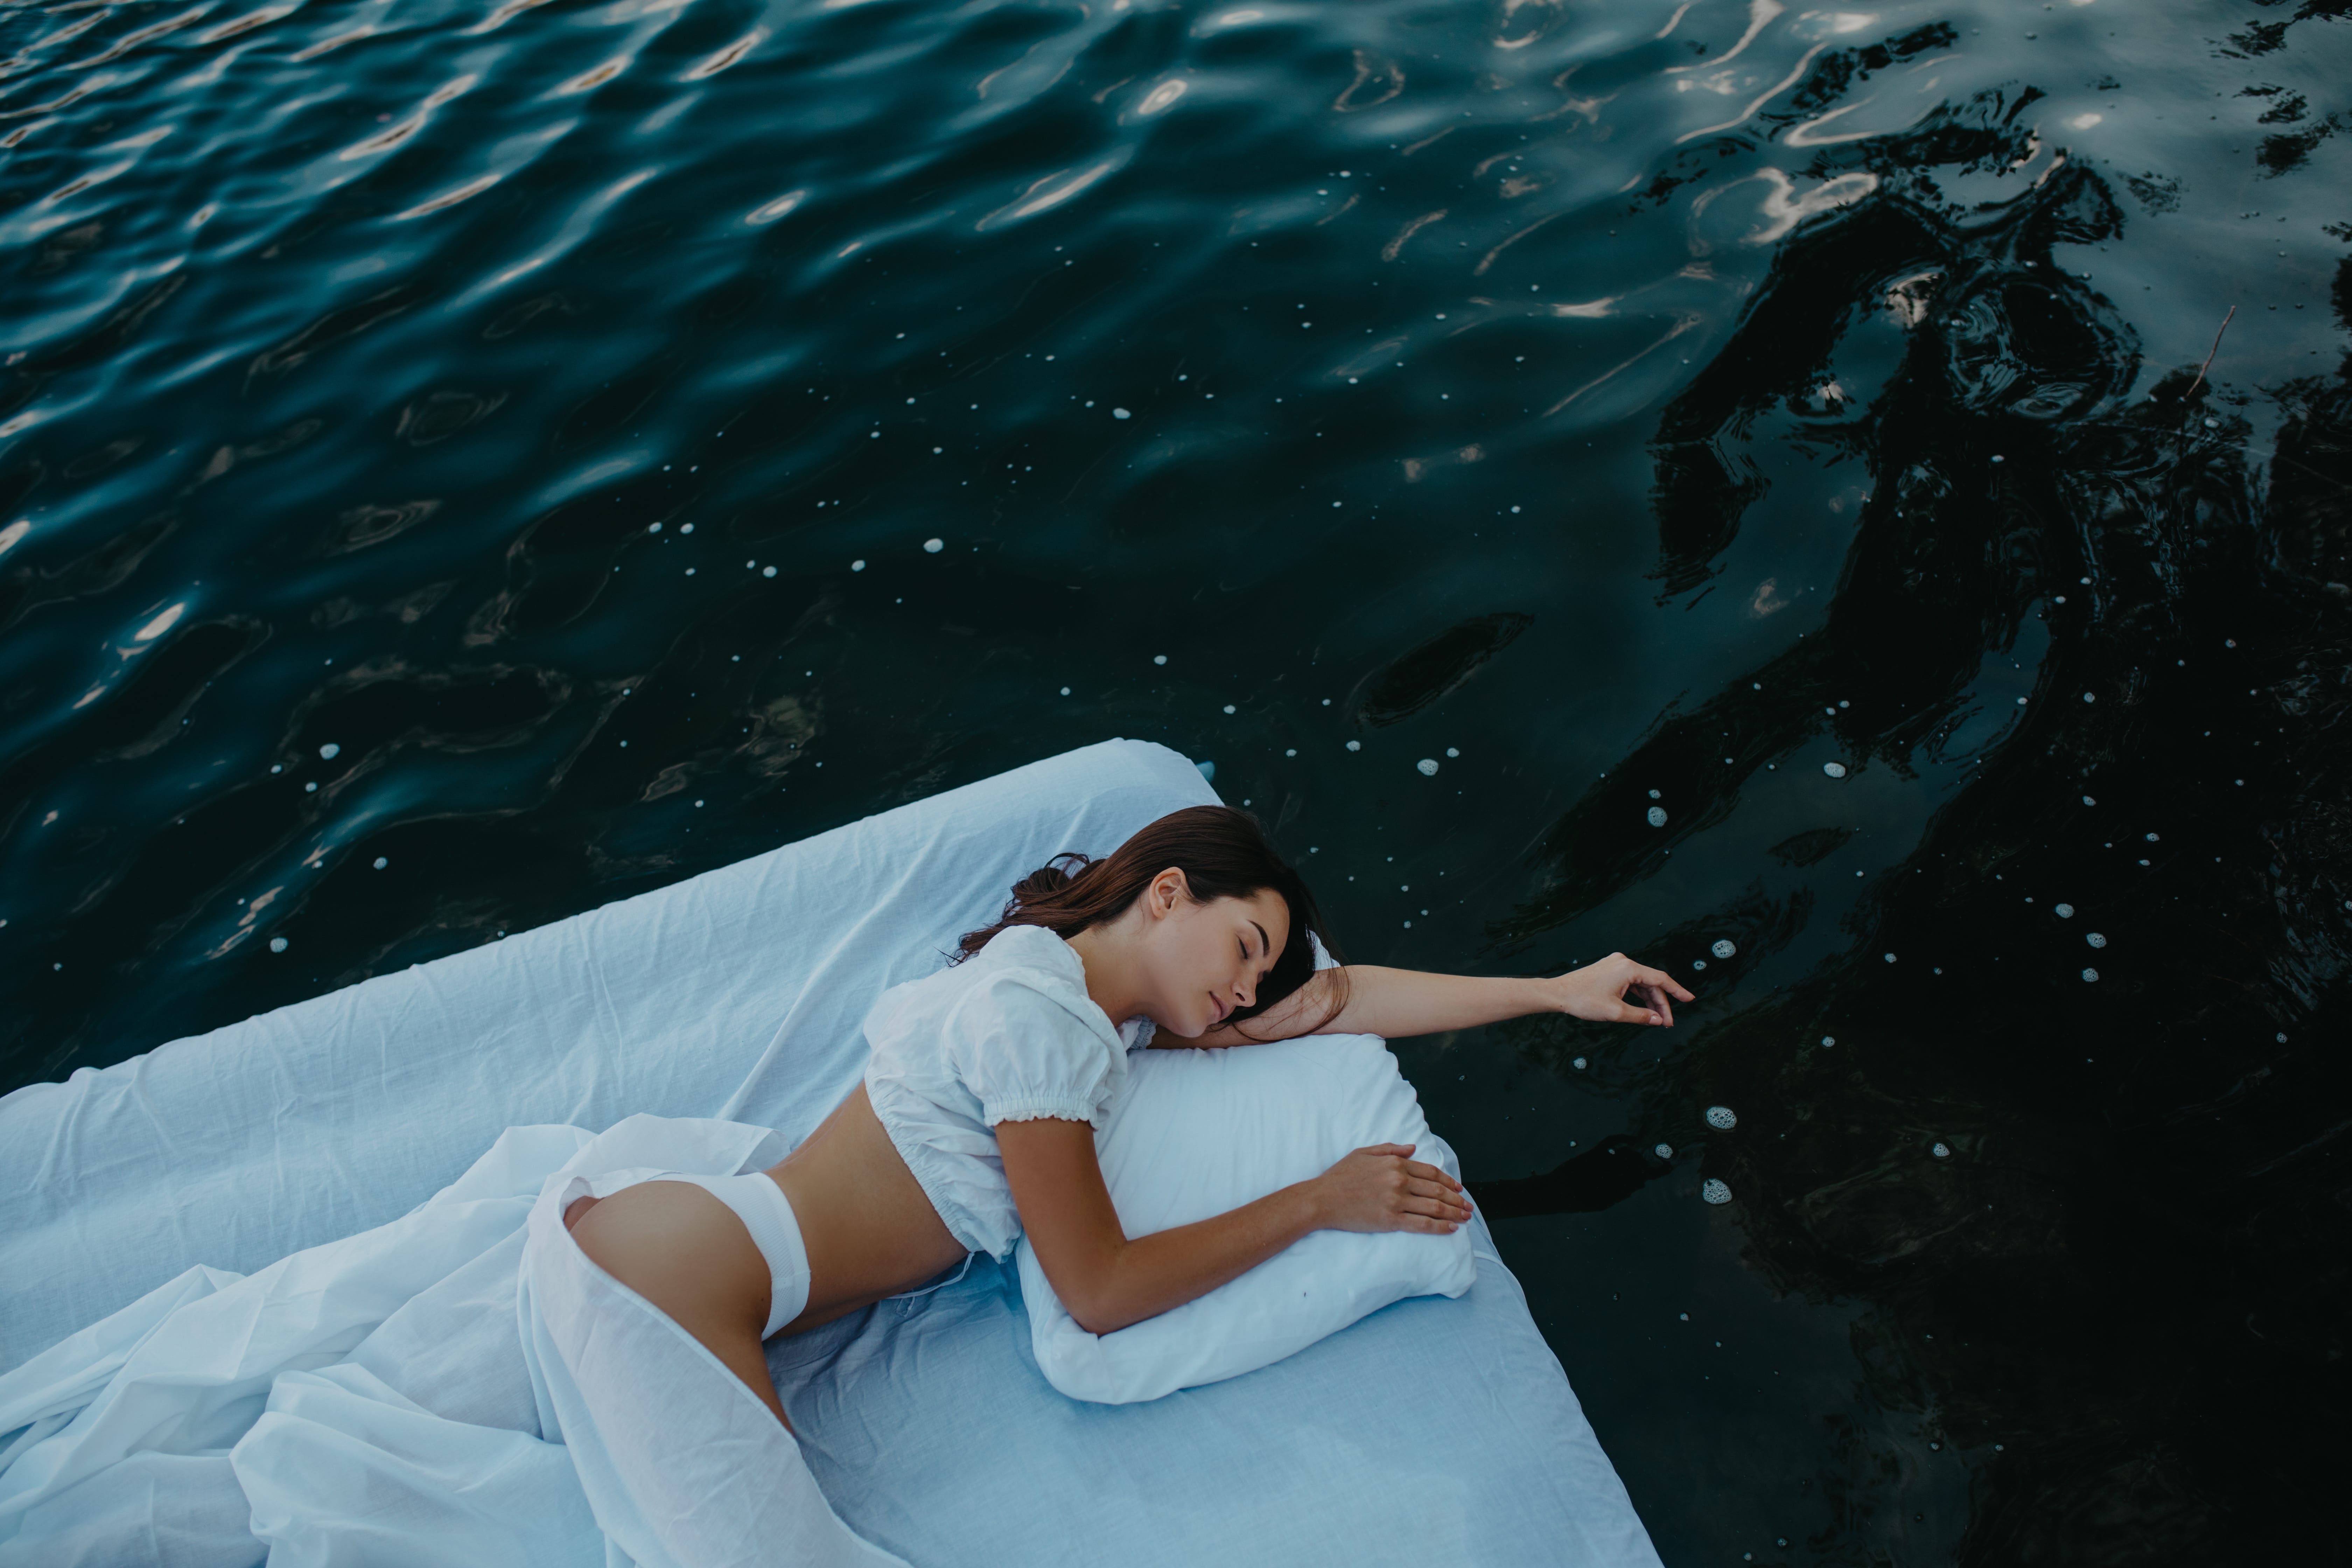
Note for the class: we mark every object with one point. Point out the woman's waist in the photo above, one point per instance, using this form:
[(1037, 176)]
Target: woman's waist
[(871, 1229)]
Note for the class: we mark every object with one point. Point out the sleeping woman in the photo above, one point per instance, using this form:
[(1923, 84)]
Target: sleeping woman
[(976, 1118)]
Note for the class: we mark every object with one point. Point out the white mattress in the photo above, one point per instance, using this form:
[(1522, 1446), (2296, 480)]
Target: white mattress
[(1434, 1430)]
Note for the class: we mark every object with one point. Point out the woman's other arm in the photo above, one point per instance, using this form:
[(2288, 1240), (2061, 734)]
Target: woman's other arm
[(1108, 1281), (1396, 1004)]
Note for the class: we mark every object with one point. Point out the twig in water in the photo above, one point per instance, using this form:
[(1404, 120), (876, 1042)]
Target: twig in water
[(2208, 356)]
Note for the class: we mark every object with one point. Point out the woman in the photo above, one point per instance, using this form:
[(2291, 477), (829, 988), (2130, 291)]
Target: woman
[(975, 1121)]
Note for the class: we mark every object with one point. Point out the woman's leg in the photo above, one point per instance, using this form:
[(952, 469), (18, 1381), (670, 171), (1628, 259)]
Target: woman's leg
[(687, 1253)]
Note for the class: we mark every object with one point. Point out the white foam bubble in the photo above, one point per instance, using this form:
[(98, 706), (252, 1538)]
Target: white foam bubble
[(1579, 1064), (329, 751), (1698, 963), (2064, 911), (2091, 974), (1835, 770), (1355, 746), (1714, 1192), (858, 566), (1427, 766), (2094, 939), (1664, 1151), (1723, 948), (1657, 817), (933, 546), (1720, 1118), (1159, 658), (1120, 414), (380, 862), (277, 944), (1941, 1150), (1829, 1039)]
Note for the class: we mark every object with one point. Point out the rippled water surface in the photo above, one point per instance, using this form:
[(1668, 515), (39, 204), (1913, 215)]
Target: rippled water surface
[(461, 463)]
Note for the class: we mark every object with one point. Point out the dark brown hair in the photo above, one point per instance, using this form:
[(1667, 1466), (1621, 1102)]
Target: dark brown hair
[(1223, 853)]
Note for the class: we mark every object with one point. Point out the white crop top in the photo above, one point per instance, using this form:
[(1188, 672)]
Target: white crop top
[(1009, 1034)]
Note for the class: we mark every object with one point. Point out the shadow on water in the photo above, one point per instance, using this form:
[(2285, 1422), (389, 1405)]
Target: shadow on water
[(2100, 1209)]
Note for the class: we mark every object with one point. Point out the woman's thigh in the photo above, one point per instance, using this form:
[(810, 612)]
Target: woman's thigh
[(687, 1253)]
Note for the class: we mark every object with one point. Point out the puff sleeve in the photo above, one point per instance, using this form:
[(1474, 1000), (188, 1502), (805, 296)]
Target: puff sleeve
[(1026, 1054)]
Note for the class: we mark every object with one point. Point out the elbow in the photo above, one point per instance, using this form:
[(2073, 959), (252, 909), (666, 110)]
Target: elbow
[(1095, 1317)]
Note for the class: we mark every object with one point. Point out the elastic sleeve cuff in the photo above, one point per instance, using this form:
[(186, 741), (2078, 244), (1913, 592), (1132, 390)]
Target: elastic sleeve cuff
[(1038, 1108)]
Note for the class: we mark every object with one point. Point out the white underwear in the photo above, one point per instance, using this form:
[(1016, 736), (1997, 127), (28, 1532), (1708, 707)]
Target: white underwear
[(766, 1213)]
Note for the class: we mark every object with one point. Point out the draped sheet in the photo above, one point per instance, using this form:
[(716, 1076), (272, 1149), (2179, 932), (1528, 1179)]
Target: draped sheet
[(276, 1293)]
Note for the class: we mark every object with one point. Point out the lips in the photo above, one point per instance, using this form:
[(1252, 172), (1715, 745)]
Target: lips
[(1218, 1002)]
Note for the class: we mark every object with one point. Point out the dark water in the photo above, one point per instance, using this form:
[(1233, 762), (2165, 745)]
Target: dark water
[(1651, 404)]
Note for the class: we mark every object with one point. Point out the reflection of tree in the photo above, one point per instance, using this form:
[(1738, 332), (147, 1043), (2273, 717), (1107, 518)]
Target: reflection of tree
[(2129, 1267), (1951, 551)]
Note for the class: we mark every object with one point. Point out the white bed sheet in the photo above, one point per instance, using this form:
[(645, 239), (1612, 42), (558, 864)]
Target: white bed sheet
[(1433, 1430)]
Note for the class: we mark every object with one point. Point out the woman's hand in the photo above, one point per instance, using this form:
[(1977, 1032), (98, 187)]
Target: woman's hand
[(1598, 992), (1384, 1189)]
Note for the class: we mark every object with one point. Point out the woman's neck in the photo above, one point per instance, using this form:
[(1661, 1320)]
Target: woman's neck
[(1106, 952)]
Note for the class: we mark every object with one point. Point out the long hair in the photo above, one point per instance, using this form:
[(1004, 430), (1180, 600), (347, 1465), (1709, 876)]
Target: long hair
[(1223, 853)]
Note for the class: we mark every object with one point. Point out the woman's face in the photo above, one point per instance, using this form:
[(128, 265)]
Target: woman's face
[(1204, 961)]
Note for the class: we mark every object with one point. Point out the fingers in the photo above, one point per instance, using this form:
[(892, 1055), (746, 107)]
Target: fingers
[(1430, 1173), (1452, 1204), (1660, 979), (1387, 1149)]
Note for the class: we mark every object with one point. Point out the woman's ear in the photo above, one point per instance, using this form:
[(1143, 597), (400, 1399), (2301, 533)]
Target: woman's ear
[(1167, 890)]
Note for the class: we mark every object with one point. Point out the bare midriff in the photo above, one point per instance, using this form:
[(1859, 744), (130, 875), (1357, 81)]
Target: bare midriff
[(869, 1227)]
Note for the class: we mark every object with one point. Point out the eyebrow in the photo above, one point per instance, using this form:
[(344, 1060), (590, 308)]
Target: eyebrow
[(1264, 938)]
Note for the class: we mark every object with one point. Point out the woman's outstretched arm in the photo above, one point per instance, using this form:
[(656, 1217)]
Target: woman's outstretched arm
[(1396, 1004), (1108, 1281)]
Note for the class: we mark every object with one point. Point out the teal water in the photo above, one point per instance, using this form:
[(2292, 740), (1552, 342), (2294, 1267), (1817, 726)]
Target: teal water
[(461, 464)]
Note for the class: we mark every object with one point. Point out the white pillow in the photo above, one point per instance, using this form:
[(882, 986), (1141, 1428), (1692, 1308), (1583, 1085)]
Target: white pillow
[(1194, 1133)]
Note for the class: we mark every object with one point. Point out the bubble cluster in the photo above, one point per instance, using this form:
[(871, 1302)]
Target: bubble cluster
[(329, 751), (1941, 1150), (1714, 1192), (277, 944), (2065, 911), (1664, 1151), (1835, 770), (1657, 817), (1721, 1119), (1723, 948), (2094, 939), (2091, 974), (1427, 767)]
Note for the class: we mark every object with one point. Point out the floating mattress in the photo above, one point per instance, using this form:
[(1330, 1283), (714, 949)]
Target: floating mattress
[(1434, 1430)]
